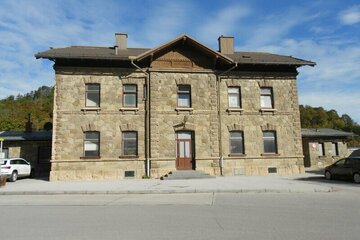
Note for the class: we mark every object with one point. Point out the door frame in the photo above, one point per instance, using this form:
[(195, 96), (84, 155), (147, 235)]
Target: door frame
[(192, 149)]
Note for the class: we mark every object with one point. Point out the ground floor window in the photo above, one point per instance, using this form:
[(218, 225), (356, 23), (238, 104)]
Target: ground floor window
[(335, 149), (129, 143), (91, 144), (321, 149), (236, 142), (270, 142)]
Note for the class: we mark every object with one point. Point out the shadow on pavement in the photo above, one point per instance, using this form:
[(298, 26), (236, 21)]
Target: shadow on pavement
[(321, 179)]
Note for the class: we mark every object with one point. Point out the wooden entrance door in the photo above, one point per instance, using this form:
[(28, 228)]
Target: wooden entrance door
[(184, 151)]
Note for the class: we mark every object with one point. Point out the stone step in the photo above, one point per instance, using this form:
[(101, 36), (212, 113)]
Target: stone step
[(186, 174)]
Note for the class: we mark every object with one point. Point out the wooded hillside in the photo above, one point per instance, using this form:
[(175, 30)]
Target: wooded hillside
[(14, 110)]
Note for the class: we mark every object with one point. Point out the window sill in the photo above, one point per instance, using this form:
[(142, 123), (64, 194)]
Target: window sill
[(270, 154), (90, 109), (130, 109), (237, 155), (238, 110), (129, 156), (184, 109), (95, 157), (269, 110)]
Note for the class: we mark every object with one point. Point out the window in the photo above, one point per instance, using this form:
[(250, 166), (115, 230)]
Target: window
[(335, 149), (91, 144), (236, 142), (234, 97), (321, 149), (266, 98), (92, 93), (184, 96), (130, 95), (129, 143), (270, 145)]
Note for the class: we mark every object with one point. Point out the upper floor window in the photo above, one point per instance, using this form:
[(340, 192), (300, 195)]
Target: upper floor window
[(236, 142), (266, 98), (270, 142), (129, 143), (91, 144), (234, 97), (184, 95), (92, 93), (130, 95)]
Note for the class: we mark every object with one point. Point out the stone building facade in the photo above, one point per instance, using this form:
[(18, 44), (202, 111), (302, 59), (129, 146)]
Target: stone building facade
[(126, 112), (324, 146)]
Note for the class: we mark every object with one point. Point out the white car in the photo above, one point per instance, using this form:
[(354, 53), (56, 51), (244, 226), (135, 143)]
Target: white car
[(14, 168)]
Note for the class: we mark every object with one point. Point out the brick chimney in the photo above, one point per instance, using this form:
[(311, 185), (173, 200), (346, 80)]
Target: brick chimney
[(120, 41), (226, 45)]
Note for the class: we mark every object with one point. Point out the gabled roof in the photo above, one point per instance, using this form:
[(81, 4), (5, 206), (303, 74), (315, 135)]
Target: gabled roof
[(188, 39), (109, 54), (26, 136), (324, 132)]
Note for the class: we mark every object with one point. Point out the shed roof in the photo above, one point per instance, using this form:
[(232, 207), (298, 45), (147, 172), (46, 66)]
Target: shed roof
[(324, 132), (26, 136)]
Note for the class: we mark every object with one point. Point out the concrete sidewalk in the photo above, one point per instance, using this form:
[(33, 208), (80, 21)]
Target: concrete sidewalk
[(239, 184)]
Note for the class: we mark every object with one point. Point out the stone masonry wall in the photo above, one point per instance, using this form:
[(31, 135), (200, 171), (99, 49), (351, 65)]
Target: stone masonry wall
[(72, 119)]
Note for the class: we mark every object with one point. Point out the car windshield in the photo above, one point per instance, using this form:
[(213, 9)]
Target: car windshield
[(4, 163)]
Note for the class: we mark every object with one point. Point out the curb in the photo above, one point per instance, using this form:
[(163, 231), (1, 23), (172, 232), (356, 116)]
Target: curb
[(322, 190)]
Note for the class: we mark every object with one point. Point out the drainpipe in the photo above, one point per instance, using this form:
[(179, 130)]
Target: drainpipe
[(221, 160), (147, 117)]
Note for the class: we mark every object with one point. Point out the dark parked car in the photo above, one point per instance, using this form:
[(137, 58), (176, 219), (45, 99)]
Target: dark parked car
[(344, 168)]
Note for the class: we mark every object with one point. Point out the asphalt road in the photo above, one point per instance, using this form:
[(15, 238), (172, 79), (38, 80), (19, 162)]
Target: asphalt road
[(182, 216)]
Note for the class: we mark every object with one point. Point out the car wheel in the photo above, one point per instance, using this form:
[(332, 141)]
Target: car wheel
[(13, 176), (328, 175), (356, 177)]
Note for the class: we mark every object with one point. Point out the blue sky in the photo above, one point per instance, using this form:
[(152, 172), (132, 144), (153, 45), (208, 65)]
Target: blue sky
[(324, 31)]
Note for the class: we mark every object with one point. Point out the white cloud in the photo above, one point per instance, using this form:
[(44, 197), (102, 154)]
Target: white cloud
[(224, 22), (350, 16)]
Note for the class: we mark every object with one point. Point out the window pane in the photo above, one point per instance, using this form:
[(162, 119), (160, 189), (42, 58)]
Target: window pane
[(234, 100), (266, 102), (93, 87), (233, 90), (236, 134), (184, 135), (265, 91), (92, 135), (184, 100), (130, 100), (182, 149), (130, 88), (236, 142), (92, 99), (236, 146), (129, 135), (184, 88), (321, 149), (269, 142), (130, 143), (130, 147)]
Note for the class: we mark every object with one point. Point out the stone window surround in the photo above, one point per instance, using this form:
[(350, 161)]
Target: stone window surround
[(130, 81)]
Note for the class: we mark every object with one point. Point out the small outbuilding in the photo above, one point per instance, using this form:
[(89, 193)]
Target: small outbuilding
[(323, 146), (35, 147)]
